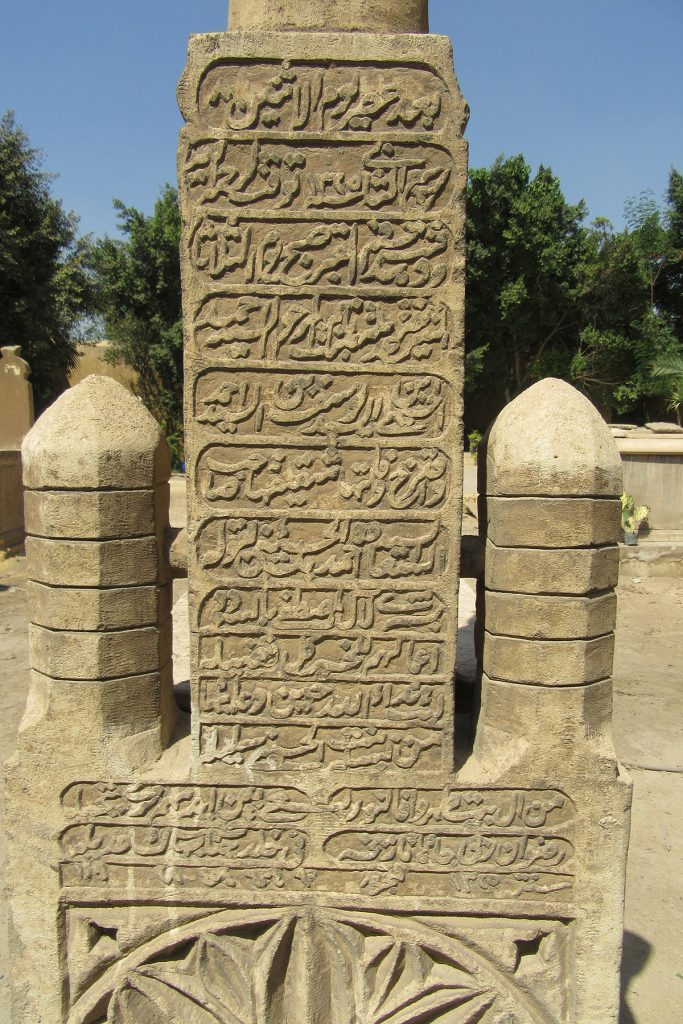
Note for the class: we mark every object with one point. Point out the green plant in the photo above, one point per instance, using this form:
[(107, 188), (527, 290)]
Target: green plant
[(632, 515), (670, 367), (474, 439)]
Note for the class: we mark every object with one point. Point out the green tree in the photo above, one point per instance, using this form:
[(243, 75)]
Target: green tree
[(524, 249), (670, 291), (625, 327), (44, 285), (138, 294), (670, 368)]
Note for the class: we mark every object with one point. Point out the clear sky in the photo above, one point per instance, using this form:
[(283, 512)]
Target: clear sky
[(592, 88)]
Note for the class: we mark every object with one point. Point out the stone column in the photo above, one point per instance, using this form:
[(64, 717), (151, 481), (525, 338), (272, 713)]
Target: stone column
[(96, 470), (551, 516), (100, 704), (328, 15)]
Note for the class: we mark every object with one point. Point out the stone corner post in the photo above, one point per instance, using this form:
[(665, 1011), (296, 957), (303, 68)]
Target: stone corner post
[(96, 470), (550, 512)]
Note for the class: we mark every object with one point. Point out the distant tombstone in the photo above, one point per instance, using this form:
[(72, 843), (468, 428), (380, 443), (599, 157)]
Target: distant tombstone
[(314, 848), (16, 398)]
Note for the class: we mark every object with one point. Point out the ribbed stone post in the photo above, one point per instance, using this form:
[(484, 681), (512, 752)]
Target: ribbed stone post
[(96, 470), (553, 484), (551, 515)]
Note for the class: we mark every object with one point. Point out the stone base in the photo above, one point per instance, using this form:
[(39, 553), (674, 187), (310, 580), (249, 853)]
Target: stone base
[(651, 558)]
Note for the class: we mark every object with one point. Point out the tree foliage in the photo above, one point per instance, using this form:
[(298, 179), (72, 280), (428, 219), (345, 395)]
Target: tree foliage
[(524, 251), (44, 285), (548, 294), (138, 295)]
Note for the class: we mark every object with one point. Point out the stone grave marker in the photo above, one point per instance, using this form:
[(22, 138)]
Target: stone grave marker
[(312, 846), (16, 398)]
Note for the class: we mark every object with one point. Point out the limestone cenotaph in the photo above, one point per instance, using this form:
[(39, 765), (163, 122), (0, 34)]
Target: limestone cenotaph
[(311, 845)]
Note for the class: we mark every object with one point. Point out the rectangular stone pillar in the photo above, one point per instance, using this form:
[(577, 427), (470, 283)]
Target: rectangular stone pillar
[(322, 181)]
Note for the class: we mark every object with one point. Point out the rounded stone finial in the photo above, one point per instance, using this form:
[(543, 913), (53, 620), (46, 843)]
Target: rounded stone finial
[(328, 15), (96, 435), (551, 441)]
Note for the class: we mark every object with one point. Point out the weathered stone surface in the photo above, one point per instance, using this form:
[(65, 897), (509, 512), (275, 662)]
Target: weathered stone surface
[(11, 500), (92, 608), (71, 446), (514, 725), (16, 417), (92, 563), (323, 373), (358, 15), (551, 441), (305, 850), (16, 398), (548, 662), (547, 485), (550, 617), (101, 697), (62, 654), (664, 428), (553, 522), (89, 514), (551, 570)]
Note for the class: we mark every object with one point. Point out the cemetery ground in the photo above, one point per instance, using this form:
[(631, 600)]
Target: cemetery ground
[(648, 731)]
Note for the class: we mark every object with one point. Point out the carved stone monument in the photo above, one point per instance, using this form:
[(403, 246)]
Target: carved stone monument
[(314, 847), (16, 398), (16, 419)]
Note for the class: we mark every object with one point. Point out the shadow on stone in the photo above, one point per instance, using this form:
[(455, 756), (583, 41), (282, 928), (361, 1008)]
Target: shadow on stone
[(635, 955)]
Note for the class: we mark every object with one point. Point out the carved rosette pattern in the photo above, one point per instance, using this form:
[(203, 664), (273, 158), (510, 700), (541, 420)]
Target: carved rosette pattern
[(306, 966), (323, 265)]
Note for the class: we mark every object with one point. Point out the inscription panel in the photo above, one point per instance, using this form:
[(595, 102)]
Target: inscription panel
[(297, 96), (324, 609), (498, 844), (324, 329), (333, 549), (384, 478), (271, 175), (387, 702), (269, 656), (320, 405), (323, 251), (417, 254)]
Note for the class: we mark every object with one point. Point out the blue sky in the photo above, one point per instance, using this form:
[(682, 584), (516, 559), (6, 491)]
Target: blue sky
[(592, 88)]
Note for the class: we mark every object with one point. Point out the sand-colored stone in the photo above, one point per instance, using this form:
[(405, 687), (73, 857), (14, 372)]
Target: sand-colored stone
[(65, 448), (91, 563), (552, 522), (64, 654), (653, 474), (94, 609), (312, 846), (551, 570), (16, 398), (550, 617), (119, 514), (547, 648), (548, 662), (353, 15), (92, 359), (11, 500), (537, 449), (101, 698), (16, 418)]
